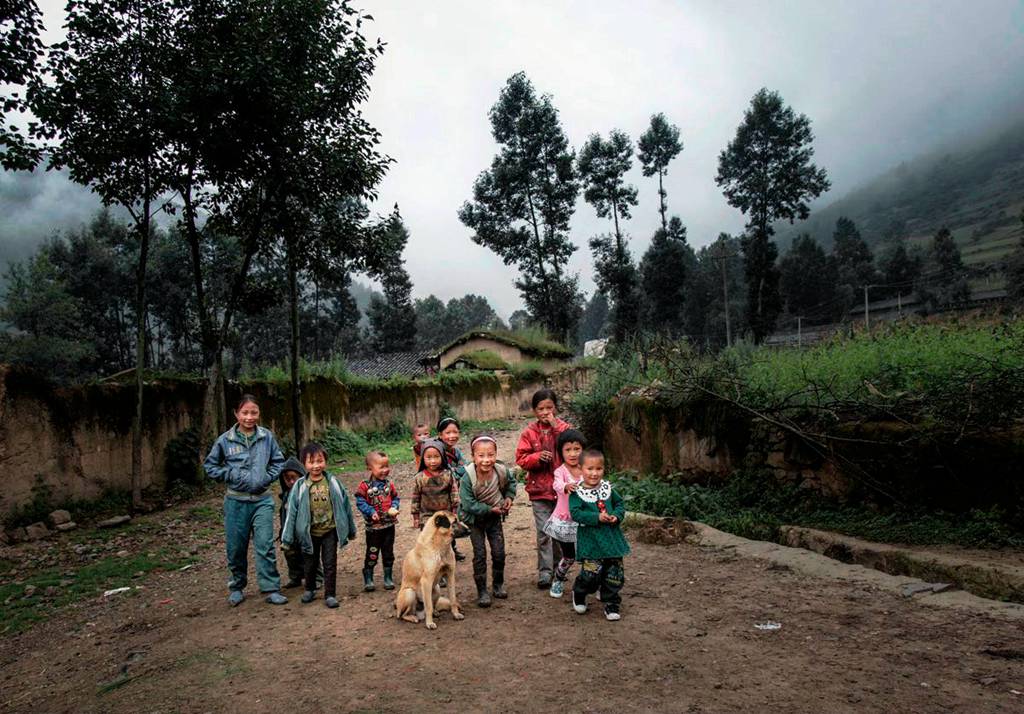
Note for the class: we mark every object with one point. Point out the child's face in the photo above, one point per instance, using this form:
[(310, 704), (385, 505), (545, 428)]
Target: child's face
[(380, 467), (593, 471), (432, 458), (248, 416), (315, 465), (421, 434), (545, 409), (450, 435), (571, 453), (290, 477), (484, 456)]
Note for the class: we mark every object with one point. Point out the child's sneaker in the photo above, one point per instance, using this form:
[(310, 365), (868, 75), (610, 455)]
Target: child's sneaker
[(579, 604), (331, 601), (276, 598), (235, 598), (557, 588), (307, 597), (611, 612)]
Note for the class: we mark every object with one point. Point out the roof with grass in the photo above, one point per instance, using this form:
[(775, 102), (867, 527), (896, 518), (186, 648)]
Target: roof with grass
[(382, 366), (530, 342)]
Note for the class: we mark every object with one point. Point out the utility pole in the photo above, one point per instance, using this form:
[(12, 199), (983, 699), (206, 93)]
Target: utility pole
[(799, 331), (867, 320)]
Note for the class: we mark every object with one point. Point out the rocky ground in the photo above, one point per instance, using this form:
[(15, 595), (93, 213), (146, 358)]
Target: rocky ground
[(687, 641)]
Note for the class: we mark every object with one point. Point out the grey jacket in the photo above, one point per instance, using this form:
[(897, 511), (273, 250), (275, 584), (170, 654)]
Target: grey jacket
[(247, 466), (296, 521)]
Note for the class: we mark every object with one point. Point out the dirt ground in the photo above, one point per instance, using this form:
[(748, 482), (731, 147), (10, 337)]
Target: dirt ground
[(686, 642)]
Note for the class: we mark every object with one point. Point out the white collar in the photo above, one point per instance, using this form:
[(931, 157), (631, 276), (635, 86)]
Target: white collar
[(592, 495)]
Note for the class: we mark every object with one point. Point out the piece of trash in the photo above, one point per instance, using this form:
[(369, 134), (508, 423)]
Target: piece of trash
[(186, 567), (115, 591), (168, 601), (768, 625), (1014, 691)]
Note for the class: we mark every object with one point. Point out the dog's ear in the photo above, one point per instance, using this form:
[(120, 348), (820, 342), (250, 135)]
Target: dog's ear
[(442, 522)]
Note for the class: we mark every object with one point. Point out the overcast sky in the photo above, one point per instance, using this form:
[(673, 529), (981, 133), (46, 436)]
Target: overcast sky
[(880, 81)]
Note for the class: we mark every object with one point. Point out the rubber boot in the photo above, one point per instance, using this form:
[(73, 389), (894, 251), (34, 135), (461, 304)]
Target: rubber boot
[(389, 584), (368, 585), (499, 590), (483, 598)]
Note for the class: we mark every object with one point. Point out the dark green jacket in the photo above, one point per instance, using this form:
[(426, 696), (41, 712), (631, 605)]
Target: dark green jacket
[(596, 540), (469, 506)]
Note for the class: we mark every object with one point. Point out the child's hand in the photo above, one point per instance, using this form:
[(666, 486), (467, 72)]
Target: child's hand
[(498, 510), (605, 518), (507, 505), (570, 487), (376, 517), (546, 456), (392, 511)]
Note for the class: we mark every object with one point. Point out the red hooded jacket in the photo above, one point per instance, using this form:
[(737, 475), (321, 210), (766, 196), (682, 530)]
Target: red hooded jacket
[(540, 476)]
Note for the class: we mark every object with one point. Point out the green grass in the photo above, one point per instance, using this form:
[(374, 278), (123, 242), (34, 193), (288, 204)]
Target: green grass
[(17, 613), (484, 359), (753, 504)]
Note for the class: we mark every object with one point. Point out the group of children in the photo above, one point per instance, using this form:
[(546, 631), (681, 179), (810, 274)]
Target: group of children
[(577, 513)]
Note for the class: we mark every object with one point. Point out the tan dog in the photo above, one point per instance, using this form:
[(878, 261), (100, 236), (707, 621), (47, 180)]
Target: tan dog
[(422, 568)]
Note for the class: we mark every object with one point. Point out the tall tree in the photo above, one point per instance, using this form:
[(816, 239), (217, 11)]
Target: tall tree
[(807, 281), (21, 24), (855, 265), (949, 287), (658, 146), (664, 271), (522, 205), (603, 165), (766, 172), (393, 319), (900, 270), (106, 103)]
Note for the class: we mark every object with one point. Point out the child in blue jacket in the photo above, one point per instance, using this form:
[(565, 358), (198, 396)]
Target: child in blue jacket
[(320, 521)]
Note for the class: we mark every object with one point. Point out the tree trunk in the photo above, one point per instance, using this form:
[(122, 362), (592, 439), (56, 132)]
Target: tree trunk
[(140, 354), (661, 198), (293, 297)]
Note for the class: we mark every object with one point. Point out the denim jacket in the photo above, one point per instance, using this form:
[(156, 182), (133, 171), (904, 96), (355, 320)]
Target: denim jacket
[(247, 466)]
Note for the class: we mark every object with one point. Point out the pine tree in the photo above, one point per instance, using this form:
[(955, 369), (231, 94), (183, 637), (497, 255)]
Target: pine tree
[(658, 146), (807, 280), (664, 271), (951, 287), (766, 172), (393, 319)]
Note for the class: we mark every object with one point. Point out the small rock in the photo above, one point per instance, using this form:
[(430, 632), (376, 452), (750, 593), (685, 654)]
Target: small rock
[(122, 554), (65, 527), (941, 587), (81, 549), (64, 583), (985, 681), (36, 531), (58, 517), (370, 654), (114, 522), (30, 590)]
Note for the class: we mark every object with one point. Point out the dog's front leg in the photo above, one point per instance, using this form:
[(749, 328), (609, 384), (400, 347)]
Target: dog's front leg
[(427, 589)]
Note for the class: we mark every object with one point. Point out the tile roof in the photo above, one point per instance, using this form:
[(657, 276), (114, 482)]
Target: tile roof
[(386, 365)]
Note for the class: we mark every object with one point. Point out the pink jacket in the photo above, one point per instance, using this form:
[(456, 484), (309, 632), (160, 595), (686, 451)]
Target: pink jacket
[(563, 477)]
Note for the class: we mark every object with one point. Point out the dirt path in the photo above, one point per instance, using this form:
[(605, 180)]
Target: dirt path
[(686, 643)]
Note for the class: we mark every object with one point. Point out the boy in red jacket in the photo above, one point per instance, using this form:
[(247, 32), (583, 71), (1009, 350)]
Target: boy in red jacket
[(536, 454)]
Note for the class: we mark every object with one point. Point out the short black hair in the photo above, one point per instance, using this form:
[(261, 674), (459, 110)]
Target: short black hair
[(311, 449), (541, 394), (569, 436), (445, 421), (377, 453), (246, 399), (591, 454)]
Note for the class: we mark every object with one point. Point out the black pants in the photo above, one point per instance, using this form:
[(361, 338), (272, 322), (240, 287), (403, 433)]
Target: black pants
[(380, 545), (487, 529), (325, 550), (568, 558), (606, 574)]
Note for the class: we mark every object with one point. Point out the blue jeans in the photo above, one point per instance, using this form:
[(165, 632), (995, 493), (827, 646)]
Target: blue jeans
[(243, 519)]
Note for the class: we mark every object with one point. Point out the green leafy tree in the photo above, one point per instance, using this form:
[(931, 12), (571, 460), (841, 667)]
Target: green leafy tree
[(46, 319), (855, 264), (594, 322), (106, 104), (949, 287), (472, 312), (520, 320), (808, 281), (766, 172), (522, 205), (658, 146), (393, 319), (664, 271), (900, 270), (431, 323), (21, 24), (603, 165)]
